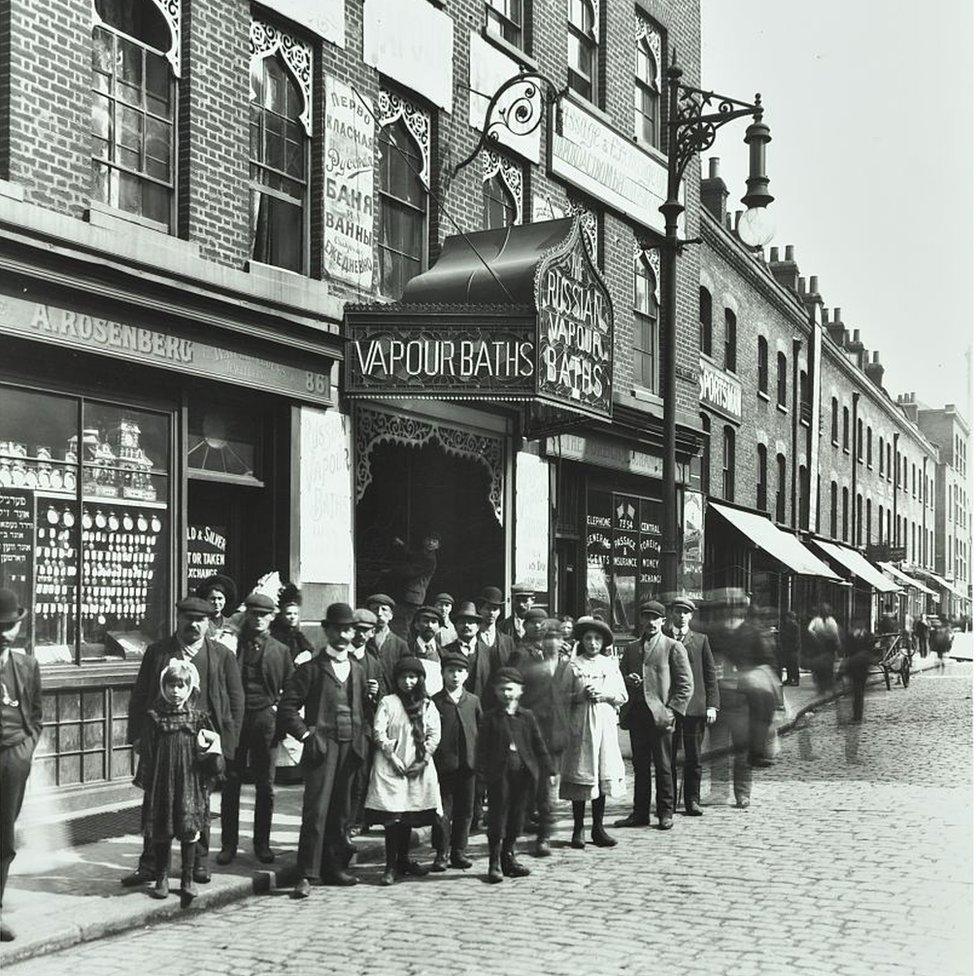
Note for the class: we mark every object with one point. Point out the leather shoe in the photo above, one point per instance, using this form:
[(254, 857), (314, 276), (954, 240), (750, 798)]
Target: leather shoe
[(226, 855), (542, 849), (512, 867), (577, 842), (440, 863), (601, 838), (694, 809), (302, 888), (6, 933), (136, 879), (201, 874), (340, 879), (665, 823), (460, 860), (389, 878), (412, 869), (264, 854), (742, 803), (632, 821)]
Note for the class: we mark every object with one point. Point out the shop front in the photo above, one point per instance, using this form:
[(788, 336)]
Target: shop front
[(139, 453), (508, 330)]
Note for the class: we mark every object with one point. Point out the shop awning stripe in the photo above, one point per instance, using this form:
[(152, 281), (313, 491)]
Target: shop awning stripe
[(944, 583), (858, 566), (905, 579), (782, 546)]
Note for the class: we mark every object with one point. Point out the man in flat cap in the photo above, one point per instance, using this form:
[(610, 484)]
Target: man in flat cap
[(444, 605), (386, 646), (702, 710), (426, 624), (265, 665), (221, 696), (529, 645), (332, 690), (656, 671), (523, 596)]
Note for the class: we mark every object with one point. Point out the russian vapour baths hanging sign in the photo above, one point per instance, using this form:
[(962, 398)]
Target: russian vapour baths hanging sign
[(574, 352)]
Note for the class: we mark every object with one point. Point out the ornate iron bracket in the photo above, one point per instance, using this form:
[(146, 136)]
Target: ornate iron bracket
[(521, 116)]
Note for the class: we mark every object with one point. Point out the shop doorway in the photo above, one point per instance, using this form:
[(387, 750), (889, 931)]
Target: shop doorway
[(416, 491)]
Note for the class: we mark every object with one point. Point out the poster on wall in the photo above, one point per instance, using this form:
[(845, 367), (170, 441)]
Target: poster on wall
[(599, 535), (692, 543), (326, 549), (650, 546), (206, 553), (532, 521), (349, 145)]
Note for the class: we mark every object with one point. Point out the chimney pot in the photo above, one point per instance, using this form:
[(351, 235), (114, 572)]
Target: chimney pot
[(837, 317), (801, 285), (789, 252), (856, 335), (738, 215), (773, 254), (713, 167), (814, 284), (728, 221), (876, 356)]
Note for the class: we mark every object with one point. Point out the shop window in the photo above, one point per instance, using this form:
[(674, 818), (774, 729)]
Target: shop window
[(133, 110), (833, 510), (780, 488), (86, 485), (646, 340), (833, 420), (781, 379), (731, 339), (728, 464), (762, 478), (583, 43), (706, 463), (278, 161), (504, 19), (647, 82), (762, 364), (705, 321), (403, 198), (623, 550)]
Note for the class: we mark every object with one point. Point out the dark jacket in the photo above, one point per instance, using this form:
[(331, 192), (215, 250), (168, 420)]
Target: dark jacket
[(466, 715), (292, 637), (705, 693), (315, 686), (484, 663), (493, 742), (548, 696), (225, 693), (503, 648), (276, 665), (673, 683), (27, 691), (391, 650), (507, 626)]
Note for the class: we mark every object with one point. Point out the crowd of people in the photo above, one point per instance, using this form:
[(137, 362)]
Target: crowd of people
[(462, 721)]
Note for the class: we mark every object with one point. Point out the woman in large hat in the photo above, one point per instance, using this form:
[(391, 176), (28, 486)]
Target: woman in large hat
[(593, 767), (403, 789), (220, 592)]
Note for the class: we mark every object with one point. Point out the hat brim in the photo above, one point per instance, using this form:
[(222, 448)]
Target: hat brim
[(601, 628), (7, 619), (218, 582)]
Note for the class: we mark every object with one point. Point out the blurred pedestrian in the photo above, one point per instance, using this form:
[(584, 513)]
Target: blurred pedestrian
[(656, 671), (921, 632), (403, 788), (789, 649), (454, 760), (592, 764), (941, 641), (511, 758), (20, 728), (825, 646), (755, 661), (703, 708), (287, 626)]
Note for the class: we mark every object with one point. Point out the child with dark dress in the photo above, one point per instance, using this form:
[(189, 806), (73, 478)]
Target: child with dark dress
[(511, 758), (178, 759)]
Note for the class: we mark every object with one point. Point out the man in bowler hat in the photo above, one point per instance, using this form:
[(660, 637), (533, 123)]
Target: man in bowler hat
[(332, 690), (523, 596), (482, 661), (702, 710), (221, 697), (490, 604), (656, 671), (265, 665), (20, 728)]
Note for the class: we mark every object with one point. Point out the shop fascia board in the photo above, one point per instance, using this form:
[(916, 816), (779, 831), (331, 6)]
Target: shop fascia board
[(644, 422), (57, 238)]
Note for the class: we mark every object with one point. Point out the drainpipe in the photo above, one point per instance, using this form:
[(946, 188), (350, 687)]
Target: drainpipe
[(797, 343), (854, 455), (894, 504), (925, 505)]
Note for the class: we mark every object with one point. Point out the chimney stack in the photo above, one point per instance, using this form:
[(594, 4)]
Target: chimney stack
[(814, 284), (785, 272), (875, 371), (836, 329), (714, 192), (773, 255)]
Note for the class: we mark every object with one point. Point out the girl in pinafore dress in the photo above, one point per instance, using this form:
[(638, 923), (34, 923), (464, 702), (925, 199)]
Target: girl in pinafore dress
[(176, 764), (593, 767), (403, 789)]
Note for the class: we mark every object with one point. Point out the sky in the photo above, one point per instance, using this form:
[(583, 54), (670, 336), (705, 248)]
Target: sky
[(870, 107)]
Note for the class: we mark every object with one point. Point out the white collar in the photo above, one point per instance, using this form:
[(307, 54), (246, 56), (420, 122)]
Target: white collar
[(337, 656), (455, 696)]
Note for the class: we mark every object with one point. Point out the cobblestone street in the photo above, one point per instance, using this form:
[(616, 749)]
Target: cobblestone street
[(853, 859)]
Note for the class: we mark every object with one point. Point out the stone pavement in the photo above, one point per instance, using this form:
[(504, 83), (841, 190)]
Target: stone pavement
[(853, 860)]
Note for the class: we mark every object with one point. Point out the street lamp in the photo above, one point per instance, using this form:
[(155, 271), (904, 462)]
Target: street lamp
[(694, 118)]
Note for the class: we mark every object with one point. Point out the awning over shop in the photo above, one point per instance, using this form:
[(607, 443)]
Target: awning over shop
[(857, 565), (782, 546), (943, 583), (896, 574)]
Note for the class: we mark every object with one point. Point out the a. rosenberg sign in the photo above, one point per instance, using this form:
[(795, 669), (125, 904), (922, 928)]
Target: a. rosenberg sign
[(719, 391), (559, 353)]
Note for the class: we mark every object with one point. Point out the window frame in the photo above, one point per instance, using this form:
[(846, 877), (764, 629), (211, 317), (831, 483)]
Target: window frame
[(706, 466), (639, 352), (833, 509), (728, 463), (731, 340), (834, 421), (505, 199), (762, 365), (705, 325), (781, 488), (781, 380), (644, 28), (496, 20), (590, 41), (762, 478)]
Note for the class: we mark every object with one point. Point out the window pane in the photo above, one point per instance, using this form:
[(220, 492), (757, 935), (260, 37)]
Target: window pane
[(128, 75), (278, 232), (158, 85), (103, 59), (274, 141), (101, 182), (129, 133), (155, 202), (158, 148), (101, 125)]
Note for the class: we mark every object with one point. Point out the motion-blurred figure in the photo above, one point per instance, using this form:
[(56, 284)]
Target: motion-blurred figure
[(825, 646), (789, 648)]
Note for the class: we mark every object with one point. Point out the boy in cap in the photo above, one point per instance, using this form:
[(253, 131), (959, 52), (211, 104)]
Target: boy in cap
[(658, 677), (523, 596), (511, 758), (265, 665), (454, 760), (385, 645), (364, 626), (332, 690)]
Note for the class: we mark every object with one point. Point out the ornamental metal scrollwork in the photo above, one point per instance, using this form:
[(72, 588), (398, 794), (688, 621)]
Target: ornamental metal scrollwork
[(375, 427), (297, 55), (590, 225), (652, 255), (494, 164), (172, 14), (416, 119)]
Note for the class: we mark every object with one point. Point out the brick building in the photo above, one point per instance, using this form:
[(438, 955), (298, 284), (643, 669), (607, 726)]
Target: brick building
[(191, 193)]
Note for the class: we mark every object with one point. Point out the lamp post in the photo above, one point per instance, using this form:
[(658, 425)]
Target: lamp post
[(694, 117)]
